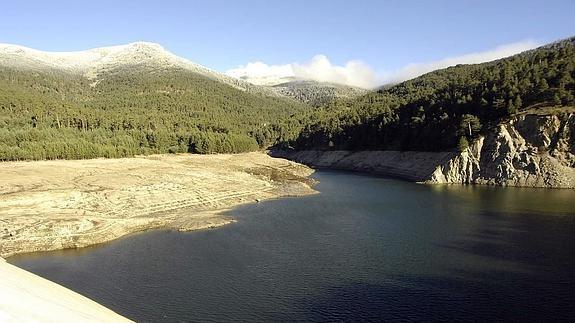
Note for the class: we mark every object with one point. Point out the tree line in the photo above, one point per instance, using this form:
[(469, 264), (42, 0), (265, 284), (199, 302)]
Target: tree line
[(51, 114), (445, 109)]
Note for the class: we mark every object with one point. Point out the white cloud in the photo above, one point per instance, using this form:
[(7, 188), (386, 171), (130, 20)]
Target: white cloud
[(319, 68), (357, 73), (414, 70), (258, 70)]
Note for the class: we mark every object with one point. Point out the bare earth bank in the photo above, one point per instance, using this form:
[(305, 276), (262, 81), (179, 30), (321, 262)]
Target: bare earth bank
[(49, 205), (52, 205)]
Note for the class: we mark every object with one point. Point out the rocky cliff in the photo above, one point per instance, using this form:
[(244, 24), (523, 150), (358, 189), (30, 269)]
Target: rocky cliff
[(534, 149), (531, 150)]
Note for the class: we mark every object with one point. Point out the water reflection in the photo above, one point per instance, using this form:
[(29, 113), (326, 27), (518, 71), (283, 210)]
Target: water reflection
[(511, 200)]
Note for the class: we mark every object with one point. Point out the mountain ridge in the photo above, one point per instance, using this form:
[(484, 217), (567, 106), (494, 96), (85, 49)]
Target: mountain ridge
[(130, 99), (434, 112), (94, 63), (317, 93)]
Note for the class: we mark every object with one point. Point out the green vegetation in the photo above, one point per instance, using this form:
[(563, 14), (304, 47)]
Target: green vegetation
[(446, 109), (137, 110), (51, 114), (317, 93)]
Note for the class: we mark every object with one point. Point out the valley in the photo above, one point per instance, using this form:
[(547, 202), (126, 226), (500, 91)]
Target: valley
[(303, 161)]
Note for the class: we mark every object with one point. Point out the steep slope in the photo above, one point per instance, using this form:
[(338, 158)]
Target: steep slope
[(507, 122), (533, 149), (447, 108), (126, 100), (95, 63)]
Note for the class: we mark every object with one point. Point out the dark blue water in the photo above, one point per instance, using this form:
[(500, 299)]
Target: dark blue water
[(365, 249)]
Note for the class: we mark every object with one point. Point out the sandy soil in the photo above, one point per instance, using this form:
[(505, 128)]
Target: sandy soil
[(49, 205)]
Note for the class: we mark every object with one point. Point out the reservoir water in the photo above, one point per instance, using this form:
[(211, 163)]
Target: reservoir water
[(364, 249)]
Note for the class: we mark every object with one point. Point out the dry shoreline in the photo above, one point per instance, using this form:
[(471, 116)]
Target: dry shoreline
[(51, 205)]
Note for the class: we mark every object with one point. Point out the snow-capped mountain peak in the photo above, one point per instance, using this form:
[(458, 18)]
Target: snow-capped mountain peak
[(93, 63), (88, 61)]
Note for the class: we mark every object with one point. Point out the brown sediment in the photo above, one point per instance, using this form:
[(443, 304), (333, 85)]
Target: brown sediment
[(50, 205)]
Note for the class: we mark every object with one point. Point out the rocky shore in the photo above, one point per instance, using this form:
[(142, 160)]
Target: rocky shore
[(534, 149)]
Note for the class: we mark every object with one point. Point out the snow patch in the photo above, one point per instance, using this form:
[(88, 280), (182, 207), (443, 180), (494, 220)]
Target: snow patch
[(94, 63)]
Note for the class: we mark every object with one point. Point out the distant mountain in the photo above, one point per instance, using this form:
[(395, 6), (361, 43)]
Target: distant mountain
[(268, 81), (317, 93), (95, 63), (307, 91), (130, 99)]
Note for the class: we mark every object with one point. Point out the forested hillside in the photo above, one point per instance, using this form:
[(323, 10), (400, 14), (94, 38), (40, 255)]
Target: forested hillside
[(317, 93), (49, 114), (129, 109), (445, 109)]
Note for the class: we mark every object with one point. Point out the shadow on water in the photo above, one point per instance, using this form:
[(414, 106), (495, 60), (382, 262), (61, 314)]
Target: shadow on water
[(517, 238), (365, 249), (464, 296)]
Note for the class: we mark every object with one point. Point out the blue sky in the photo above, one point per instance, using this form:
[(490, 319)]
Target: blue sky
[(385, 35)]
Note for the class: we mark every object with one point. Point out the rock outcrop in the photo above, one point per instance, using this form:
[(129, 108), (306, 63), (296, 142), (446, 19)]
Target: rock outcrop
[(532, 150)]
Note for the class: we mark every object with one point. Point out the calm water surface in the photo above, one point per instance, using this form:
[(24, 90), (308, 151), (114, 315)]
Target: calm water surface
[(365, 249)]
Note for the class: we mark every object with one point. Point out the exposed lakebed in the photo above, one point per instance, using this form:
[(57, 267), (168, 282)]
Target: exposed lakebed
[(365, 249)]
